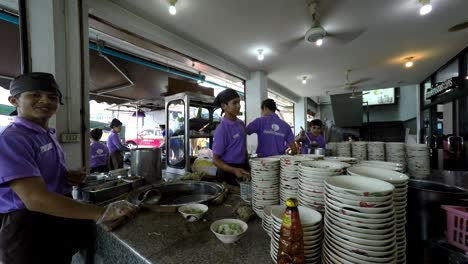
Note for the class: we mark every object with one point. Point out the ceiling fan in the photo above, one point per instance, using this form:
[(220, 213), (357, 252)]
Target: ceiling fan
[(357, 95)]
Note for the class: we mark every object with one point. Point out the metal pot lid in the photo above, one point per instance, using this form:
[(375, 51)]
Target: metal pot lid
[(180, 193), (432, 186)]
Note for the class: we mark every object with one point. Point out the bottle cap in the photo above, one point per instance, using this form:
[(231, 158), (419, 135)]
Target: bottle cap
[(292, 202)]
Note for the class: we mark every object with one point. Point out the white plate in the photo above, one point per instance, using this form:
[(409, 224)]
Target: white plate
[(358, 185)]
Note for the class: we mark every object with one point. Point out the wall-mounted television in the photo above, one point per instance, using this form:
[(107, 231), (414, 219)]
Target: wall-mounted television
[(379, 96)]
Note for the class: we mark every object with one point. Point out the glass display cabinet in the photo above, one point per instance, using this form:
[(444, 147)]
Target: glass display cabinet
[(190, 124)]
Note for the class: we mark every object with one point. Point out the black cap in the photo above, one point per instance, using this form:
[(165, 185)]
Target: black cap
[(34, 81)]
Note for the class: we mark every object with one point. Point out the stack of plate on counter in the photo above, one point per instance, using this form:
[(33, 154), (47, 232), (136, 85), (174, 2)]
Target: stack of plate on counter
[(265, 183), (359, 150), (311, 179), (395, 152), (289, 177), (376, 151), (359, 221), (418, 160), (348, 160), (266, 219), (311, 221), (331, 149), (383, 164), (343, 149), (400, 181)]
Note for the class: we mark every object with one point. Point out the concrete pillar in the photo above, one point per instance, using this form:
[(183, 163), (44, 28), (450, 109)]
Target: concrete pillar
[(58, 38), (300, 114), (256, 91)]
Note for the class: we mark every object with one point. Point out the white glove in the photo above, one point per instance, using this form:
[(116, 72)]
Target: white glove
[(116, 210)]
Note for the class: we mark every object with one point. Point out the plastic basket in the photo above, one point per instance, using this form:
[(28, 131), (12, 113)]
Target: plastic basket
[(457, 226), (246, 191)]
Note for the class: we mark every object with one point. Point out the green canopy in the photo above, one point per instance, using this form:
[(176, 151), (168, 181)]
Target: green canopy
[(6, 109), (97, 124)]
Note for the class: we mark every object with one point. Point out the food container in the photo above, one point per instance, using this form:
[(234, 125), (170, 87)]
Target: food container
[(457, 229), (228, 239), (105, 191), (193, 212)]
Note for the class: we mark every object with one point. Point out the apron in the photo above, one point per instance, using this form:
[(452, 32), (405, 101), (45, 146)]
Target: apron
[(229, 178), (32, 237), (116, 160)]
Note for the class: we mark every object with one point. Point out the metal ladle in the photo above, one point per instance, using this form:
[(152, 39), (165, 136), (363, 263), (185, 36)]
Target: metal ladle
[(153, 199)]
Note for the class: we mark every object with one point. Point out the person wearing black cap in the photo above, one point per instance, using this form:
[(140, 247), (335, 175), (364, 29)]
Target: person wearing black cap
[(41, 223), (229, 142), (313, 138), (274, 135), (115, 146)]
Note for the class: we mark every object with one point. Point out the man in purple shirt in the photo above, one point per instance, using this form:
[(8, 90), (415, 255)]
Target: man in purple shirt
[(274, 135), (41, 223), (312, 139), (115, 145), (98, 152), (229, 142)]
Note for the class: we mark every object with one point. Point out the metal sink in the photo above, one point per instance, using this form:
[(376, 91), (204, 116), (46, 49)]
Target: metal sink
[(105, 191), (180, 193)]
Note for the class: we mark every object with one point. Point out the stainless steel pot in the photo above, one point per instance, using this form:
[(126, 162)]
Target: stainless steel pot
[(319, 151), (146, 162), (426, 219)]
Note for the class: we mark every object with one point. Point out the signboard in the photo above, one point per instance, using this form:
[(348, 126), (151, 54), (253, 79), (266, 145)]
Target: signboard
[(379, 96), (443, 87)]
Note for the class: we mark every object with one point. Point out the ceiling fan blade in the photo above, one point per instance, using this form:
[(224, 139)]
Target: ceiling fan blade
[(360, 81), (345, 36), (287, 46), (461, 26)]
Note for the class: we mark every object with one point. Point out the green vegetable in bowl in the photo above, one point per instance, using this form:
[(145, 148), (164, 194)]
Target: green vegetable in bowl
[(229, 229), (192, 211)]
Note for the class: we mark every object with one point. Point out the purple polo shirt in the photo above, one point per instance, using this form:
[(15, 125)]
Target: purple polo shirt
[(229, 141), (274, 135), (99, 154), (113, 142), (306, 144), (29, 150)]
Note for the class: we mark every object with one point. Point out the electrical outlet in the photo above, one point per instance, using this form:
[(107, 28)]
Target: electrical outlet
[(70, 137)]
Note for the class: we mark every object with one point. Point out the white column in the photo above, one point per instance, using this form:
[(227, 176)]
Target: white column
[(256, 91), (300, 114), (55, 47)]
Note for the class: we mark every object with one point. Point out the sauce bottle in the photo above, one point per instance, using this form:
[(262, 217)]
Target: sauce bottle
[(291, 243)]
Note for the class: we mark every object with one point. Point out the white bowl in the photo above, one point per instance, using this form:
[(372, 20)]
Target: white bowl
[(353, 221), (359, 185), (323, 165), (339, 213), (382, 199), (360, 228), (356, 202), (309, 217), (192, 217), (227, 239), (383, 217), (361, 241), (361, 259), (379, 173), (361, 209)]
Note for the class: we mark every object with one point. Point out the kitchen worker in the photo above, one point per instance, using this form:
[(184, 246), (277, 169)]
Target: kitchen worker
[(41, 222), (274, 135), (115, 146), (229, 142), (98, 152), (313, 138)]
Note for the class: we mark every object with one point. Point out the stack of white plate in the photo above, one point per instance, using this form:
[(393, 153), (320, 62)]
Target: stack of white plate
[(359, 150), (331, 147), (289, 177), (266, 220), (359, 221), (400, 181), (395, 152), (376, 151), (383, 164), (418, 160), (343, 149), (311, 177), (348, 160), (311, 227), (265, 183)]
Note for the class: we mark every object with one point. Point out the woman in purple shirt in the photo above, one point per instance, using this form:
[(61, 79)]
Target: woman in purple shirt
[(98, 152), (313, 138), (114, 145), (229, 143), (41, 222), (274, 135)]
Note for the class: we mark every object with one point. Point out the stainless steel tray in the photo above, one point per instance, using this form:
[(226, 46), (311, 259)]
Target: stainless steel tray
[(180, 193), (101, 192)]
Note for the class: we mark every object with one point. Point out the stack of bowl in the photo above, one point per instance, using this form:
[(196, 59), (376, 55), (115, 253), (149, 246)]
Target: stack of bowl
[(400, 181), (266, 220), (418, 160), (376, 151), (343, 149), (359, 221), (311, 177), (331, 149), (395, 152), (359, 150), (311, 222), (289, 177), (383, 164), (265, 183), (348, 160)]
